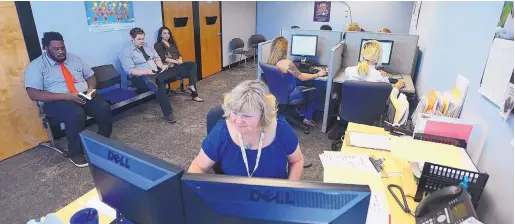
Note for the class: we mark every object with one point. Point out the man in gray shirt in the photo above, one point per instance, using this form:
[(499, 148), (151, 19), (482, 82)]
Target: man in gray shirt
[(146, 71), (55, 80)]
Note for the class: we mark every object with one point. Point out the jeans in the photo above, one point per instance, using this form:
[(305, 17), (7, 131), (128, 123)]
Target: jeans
[(73, 115)]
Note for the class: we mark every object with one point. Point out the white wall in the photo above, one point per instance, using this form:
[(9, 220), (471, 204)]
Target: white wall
[(451, 44), (372, 16), (238, 20), (95, 48)]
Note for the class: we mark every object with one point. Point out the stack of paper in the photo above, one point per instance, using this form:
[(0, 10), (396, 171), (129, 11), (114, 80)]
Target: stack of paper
[(359, 162), (370, 141), (401, 106)]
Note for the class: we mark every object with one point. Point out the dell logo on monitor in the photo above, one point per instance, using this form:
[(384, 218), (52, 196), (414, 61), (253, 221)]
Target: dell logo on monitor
[(271, 197), (118, 159)]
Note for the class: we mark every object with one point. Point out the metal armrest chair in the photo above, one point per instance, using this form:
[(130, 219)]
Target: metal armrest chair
[(237, 48)]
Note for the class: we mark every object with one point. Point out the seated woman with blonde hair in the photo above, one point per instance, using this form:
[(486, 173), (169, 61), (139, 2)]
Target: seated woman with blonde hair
[(253, 141), (366, 70), (278, 57)]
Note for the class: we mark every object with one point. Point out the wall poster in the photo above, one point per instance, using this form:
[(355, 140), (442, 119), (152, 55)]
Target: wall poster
[(104, 16), (322, 12)]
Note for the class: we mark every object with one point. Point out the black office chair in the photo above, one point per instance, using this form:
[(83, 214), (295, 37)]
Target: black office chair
[(213, 116), (364, 102), (254, 41), (237, 48)]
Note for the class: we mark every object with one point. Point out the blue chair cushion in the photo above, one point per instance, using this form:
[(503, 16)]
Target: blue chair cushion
[(118, 95)]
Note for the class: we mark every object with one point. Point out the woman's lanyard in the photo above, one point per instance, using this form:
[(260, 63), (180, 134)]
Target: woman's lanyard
[(244, 154)]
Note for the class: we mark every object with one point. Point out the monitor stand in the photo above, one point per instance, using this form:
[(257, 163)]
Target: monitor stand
[(303, 60)]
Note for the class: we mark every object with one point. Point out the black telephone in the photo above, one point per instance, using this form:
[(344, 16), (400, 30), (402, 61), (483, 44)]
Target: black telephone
[(450, 205)]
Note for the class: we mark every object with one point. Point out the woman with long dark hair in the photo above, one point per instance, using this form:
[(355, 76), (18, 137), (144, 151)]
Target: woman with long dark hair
[(167, 49)]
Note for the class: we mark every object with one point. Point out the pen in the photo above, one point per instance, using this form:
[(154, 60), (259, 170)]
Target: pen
[(389, 218)]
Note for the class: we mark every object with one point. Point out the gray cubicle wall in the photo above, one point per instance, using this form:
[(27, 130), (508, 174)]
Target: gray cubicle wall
[(404, 52), (327, 39), (263, 54), (335, 64)]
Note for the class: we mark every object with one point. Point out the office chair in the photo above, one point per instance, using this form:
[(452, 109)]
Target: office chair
[(288, 95), (254, 41), (237, 48), (364, 102), (213, 116)]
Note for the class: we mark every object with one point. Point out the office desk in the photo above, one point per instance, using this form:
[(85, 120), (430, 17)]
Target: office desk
[(339, 77), (395, 163), (67, 212)]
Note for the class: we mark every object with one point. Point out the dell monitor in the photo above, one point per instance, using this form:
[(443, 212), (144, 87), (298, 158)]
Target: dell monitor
[(141, 188), (230, 199), (386, 45), (304, 46)]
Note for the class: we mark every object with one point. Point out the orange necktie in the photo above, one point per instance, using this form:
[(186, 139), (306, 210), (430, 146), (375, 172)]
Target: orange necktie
[(68, 77)]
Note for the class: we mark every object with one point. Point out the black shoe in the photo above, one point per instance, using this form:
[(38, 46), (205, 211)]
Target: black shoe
[(170, 119), (79, 160)]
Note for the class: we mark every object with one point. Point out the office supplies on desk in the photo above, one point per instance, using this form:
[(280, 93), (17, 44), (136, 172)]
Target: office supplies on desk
[(451, 204), (370, 141), (441, 139), (359, 162), (435, 177)]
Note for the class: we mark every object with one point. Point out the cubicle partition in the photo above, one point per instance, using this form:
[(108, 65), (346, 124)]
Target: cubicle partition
[(327, 39), (263, 54), (403, 59), (335, 64)]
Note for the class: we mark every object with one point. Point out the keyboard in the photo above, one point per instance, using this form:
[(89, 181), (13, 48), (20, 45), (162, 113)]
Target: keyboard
[(308, 70)]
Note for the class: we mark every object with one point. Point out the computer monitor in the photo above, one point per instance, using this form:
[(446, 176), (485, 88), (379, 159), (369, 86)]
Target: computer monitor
[(229, 199), (141, 188), (387, 46), (304, 45)]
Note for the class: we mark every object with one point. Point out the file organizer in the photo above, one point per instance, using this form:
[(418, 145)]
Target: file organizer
[(435, 177)]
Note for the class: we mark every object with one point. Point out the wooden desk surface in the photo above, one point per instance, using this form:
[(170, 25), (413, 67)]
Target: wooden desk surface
[(67, 212), (395, 162)]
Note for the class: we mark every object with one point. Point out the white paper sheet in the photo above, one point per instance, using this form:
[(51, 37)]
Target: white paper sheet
[(360, 162), (101, 207), (377, 210), (498, 70), (370, 141)]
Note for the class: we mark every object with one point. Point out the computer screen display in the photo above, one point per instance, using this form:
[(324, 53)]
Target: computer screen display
[(387, 46), (230, 199), (304, 45), (142, 188)]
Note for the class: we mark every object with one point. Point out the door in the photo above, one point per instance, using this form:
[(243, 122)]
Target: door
[(210, 37), (20, 126), (184, 35)]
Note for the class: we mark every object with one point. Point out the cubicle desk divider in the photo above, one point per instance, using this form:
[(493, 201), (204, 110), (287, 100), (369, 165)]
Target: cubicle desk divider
[(263, 54), (326, 40), (334, 67), (404, 53)]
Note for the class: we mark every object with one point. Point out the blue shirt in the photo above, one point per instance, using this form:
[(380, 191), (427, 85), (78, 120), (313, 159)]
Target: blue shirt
[(43, 73), (220, 147), (132, 58)]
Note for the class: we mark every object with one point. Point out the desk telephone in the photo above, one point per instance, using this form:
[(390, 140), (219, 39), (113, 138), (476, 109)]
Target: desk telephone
[(449, 205)]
